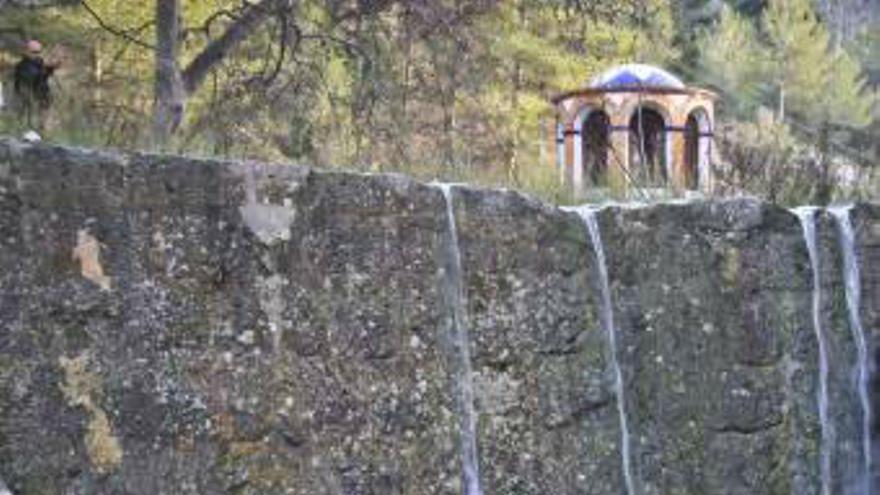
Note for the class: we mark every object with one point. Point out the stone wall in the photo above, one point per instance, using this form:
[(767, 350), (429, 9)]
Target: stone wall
[(181, 326)]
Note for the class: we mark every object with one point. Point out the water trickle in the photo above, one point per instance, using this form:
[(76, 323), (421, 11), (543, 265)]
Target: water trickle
[(853, 303), (807, 216), (462, 375), (607, 319)]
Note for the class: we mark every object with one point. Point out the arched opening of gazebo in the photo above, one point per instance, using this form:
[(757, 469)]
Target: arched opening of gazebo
[(595, 136), (647, 147)]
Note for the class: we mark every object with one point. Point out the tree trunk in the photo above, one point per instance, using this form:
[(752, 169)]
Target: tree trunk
[(169, 98), (448, 96), (513, 155), (404, 134), (780, 111), (173, 85), (514, 142), (825, 187)]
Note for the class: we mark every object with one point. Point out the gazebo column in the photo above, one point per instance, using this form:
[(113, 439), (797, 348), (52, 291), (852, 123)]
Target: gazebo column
[(708, 151), (676, 135), (577, 169), (559, 150), (618, 154), (568, 155)]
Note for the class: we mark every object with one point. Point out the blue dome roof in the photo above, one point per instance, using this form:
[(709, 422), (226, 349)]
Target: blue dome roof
[(635, 75)]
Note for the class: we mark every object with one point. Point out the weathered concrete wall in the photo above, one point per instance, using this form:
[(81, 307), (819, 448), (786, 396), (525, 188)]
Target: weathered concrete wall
[(180, 326), (868, 239)]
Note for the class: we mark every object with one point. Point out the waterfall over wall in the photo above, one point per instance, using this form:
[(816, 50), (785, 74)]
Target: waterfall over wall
[(181, 326), (807, 217), (462, 371), (606, 312), (861, 367)]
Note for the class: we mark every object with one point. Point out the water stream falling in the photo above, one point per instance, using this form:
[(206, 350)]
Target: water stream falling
[(807, 216), (607, 319), (462, 375), (853, 303)]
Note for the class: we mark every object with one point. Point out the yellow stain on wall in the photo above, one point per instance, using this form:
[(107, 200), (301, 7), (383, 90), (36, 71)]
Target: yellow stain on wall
[(80, 385), (87, 252)]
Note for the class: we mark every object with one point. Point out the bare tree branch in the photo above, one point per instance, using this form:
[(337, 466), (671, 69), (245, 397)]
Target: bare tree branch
[(211, 19), (251, 18), (283, 39), (114, 31)]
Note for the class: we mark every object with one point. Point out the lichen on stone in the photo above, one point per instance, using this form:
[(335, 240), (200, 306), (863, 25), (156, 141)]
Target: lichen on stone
[(79, 387), (730, 269)]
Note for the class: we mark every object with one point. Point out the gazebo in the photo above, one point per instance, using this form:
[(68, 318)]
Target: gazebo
[(636, 126)]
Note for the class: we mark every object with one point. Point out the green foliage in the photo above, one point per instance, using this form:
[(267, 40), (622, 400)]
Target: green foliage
[(733, 61), (820, 84), (789, 64), (760, 159), (866, 48), (448, 89)]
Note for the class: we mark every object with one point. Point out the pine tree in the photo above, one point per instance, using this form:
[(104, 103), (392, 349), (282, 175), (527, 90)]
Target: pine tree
[(733, 61), (813, 80)]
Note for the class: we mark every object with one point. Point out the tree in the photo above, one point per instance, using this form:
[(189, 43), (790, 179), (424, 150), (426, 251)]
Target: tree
[(815, 81), (866, 47), (789, 65), (787, 62), (173, 84), (732, 60)]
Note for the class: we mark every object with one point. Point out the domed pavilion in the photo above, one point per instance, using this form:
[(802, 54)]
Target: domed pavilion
[(636, 126)]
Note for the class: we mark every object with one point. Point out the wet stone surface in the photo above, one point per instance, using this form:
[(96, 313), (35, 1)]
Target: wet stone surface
[(179, 326)]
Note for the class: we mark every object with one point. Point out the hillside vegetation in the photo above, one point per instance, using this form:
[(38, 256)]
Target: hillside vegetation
[(457, 89)]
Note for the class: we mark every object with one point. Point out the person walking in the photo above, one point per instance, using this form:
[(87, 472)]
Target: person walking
[(31, 85)]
